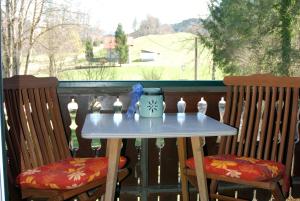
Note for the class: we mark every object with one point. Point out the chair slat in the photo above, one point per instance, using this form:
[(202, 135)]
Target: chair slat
[(232, 118), (293, 120), (17, 123), (271, 124), (228, 105), (276, 136), (57, 119), (38, 128), (13, 154), (285, 123), (250, 122), (47, 119), (238, 118), (13, 138), (226, 116), (39, 113), (264, 123), (245, 120), (61, 127), (28, 109), (27, 136), (257, 121)]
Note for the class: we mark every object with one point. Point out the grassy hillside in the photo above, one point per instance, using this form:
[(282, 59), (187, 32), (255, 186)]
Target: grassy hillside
[(175, 61)]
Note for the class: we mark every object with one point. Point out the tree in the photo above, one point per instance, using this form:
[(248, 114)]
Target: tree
[(152, 25), (149, 26), (295, 64), (24, 24), (89, 54), (20, 21), (250, 36), (61, 38), (286, 46), (121, 44)]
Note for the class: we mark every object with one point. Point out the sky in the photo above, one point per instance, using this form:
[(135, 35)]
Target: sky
[(106, 14)]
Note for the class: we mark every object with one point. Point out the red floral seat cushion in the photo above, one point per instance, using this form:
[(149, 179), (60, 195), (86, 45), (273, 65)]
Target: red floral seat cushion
[(67, 174), (245, 168)]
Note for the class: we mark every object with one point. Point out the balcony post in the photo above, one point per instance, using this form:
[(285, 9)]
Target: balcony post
[(3, 158)]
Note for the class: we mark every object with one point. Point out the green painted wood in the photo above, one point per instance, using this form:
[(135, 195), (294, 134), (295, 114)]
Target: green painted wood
[(114, 87), (3, 158), (164, 83)]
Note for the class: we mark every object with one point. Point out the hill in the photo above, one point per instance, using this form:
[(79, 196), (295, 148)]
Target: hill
[(175, 61), (175, 51)]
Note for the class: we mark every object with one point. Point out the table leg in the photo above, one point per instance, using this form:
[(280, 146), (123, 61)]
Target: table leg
[(107, 151), (181, 143), (199, 167), (113, 161)]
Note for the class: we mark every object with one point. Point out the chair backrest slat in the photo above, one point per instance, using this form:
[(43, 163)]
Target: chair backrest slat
[(276, 136), (17, 123), (44, 149), (251, 121), (44, 133), (226, 118), (57, 121), (245, 119), (48, 124), (232, 118), (265, 116), (257, 120), (292, 129), (270, 124), (14, 140), (32, 126), (26, 132), (285, 123), (264, 109), (238, 118), (36, 134)]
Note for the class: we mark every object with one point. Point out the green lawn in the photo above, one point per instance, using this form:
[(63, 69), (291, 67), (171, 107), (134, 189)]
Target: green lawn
[(175, 61), (139, 73)]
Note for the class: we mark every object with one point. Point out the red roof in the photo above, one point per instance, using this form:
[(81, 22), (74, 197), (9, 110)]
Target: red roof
[(109, 42)]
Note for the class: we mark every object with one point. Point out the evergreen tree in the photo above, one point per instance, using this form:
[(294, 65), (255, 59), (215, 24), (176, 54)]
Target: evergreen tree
[(121, 44), (286, 46), (89, 54), (250, 36)]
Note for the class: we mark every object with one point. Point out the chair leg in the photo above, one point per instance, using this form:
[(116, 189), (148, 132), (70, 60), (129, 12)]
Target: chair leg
[(98, 194), (182, 157), (83, 196), (213, 187), (55, 198), (276, 192)]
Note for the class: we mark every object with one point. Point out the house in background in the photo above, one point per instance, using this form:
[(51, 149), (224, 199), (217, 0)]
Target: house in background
[(146, 55), (130, 43), (109, 44)]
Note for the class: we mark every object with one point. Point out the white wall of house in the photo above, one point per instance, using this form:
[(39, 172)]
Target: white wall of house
[(148, 56)]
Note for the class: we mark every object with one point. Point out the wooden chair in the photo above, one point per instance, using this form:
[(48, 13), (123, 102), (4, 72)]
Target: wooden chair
[(264, 109), (37, 144)]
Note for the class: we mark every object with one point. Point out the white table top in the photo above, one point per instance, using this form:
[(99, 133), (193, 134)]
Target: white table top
[(171, 125)]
